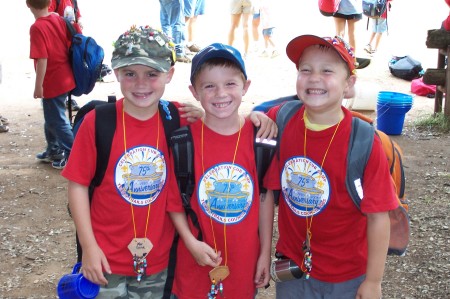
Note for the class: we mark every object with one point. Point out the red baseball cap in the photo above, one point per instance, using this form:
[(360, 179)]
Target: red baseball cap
[(295, 48)]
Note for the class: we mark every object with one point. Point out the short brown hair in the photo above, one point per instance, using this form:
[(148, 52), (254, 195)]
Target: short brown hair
[(38, 4)]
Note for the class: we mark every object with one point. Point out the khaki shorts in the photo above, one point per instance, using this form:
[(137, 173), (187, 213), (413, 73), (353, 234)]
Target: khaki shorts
[(241, 6)]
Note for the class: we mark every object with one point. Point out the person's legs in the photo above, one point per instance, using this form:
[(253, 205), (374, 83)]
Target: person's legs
[(172, 16), (235, 20), (256, 21), (164, 17), (57, 124), (381, 27), (246, 31), (377, 41), (339, 24), (351, 33)]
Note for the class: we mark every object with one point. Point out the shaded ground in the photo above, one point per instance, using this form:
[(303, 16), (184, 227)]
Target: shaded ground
[(37, 235)]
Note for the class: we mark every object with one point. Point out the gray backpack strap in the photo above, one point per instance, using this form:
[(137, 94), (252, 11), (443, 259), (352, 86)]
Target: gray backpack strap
[(359, 149), (284, 114)]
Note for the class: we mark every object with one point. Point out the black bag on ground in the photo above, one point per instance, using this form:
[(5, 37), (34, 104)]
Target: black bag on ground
[(406, 68)]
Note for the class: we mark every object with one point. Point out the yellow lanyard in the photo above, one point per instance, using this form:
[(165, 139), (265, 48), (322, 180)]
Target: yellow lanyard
[(209, 202), (129, 192), (310, 219)]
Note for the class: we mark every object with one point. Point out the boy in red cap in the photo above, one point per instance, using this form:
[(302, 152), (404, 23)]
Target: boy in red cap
[(340, 251)]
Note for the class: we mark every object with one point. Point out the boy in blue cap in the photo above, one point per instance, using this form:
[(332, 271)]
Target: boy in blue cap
[(233, 257)]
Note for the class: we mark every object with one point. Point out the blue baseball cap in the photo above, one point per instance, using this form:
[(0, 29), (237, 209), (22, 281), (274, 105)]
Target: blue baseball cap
[(217, 50)]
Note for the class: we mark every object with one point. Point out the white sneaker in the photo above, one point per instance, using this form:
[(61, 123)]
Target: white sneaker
[(275, 53), (264, 54), (368, 48)]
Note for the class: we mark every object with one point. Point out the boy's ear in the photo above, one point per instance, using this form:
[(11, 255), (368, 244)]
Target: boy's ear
[(170, 74), (349, 91), (246, 86), (194, 92)]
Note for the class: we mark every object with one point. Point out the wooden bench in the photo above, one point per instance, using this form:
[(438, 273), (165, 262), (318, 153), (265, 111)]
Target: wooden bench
[(440, 76)]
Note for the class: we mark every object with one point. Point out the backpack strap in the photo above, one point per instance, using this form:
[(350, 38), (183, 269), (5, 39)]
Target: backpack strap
[(75, 9), (170, 118), (264, 152), (284, 115), (359, 149), (183, 156), (105, 127)]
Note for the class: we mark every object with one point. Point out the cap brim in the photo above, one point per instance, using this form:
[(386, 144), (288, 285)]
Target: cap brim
[(295, 48), (161, 65)]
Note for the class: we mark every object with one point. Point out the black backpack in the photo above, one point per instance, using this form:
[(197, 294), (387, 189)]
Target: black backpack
[(406, 68)]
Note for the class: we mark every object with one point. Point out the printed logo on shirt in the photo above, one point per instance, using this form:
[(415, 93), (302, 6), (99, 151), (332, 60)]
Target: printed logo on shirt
[(140, 175), (225, 193), (305, 187)]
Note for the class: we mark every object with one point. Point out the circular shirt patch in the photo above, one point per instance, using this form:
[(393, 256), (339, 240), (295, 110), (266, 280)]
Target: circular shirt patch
[(140, 175), (225, 193), (305, 187)]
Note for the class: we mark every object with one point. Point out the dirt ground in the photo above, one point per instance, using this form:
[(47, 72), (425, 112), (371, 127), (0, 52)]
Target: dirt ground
[(37, 235)]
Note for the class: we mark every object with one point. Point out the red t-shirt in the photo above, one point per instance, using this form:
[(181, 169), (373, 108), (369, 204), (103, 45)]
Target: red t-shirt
[(62, 6), (146, 171), (241, 212), (339, 240), (446, 23), (49, 40)]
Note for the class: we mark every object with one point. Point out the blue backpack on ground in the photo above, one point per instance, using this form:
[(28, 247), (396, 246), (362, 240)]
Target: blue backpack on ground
[(86, 57)]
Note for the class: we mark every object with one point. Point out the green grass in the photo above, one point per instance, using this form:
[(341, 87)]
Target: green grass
[(437, 122)]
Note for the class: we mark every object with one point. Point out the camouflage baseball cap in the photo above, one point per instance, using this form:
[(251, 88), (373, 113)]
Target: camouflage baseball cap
[(143, 45)]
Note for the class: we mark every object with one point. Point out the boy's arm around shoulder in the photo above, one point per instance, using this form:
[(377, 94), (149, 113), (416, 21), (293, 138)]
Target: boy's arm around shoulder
[(189, 113), (267, 127), (94, 260), (378, 233)]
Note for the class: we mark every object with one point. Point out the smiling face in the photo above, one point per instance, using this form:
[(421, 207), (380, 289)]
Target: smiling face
[(323, 79), (142, 87), (219, 88)]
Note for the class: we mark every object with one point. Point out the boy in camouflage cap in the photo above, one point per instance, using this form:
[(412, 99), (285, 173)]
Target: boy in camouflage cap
[(125, 232), (145, 46)]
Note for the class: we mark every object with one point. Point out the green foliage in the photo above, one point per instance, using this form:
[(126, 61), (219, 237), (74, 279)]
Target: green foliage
[(438, 122)]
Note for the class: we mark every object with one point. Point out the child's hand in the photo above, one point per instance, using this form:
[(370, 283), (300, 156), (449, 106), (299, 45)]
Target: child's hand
[(262, 274), (38, 92), (204, 255), (267, 127), (94, 262), (369, 290), (191, 112)]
